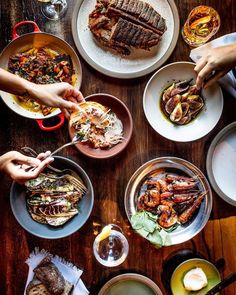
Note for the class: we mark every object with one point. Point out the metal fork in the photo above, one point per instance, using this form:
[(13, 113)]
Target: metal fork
[(76, 139)]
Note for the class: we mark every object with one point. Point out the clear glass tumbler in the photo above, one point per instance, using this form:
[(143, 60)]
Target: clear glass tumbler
[(111, 247), (54, 9)]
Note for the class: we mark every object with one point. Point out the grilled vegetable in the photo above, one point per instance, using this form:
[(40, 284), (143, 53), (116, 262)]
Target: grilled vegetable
[(53, 199)]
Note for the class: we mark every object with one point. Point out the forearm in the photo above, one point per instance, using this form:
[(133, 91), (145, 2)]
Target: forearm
[(232, 52), (13, 84)]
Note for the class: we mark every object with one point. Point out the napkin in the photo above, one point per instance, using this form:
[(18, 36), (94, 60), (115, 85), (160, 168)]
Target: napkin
[(70, 272), (229, 80)]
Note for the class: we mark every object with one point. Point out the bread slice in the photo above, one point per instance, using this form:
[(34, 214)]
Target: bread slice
[(68, 288), (48, 280), (35, 287), (88, 110)]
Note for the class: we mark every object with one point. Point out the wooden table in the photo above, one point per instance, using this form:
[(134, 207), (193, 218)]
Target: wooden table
[(109, 177)]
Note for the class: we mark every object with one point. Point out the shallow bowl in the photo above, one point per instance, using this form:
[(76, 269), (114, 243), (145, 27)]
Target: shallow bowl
[(130, 283), (184, 232), (211, 272), (197, 128), (122, 112), (19, 208)]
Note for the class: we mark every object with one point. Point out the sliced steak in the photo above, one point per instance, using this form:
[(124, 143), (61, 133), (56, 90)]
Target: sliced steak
[(134, 35), (121, 24)]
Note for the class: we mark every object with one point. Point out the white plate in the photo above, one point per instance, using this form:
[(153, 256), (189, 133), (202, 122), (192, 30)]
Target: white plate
[(201, 125), (221, 163), (139, 62)]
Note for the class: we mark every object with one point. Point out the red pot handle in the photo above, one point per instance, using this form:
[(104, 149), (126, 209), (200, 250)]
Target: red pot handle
[(52, 128), (26, 22)]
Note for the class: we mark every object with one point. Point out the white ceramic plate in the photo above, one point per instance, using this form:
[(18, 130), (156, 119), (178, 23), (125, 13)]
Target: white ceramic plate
[(139, 62), (221, 163), (201, 125)]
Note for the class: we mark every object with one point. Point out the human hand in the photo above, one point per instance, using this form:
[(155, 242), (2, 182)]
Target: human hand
[(215, 65), (61, 95), (15, 165)]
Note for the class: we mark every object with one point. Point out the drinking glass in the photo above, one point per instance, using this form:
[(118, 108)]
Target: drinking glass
[(111, 247), (54, 9), (202, 23)]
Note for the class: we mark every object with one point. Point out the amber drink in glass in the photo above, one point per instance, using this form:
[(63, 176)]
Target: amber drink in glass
[(203, 23)]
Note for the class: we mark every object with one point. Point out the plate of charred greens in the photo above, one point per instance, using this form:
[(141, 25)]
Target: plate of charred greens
[(168, 201), (55, 204), (176, 109)]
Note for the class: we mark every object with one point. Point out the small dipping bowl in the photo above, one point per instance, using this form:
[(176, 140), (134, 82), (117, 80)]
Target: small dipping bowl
[(212, 274)]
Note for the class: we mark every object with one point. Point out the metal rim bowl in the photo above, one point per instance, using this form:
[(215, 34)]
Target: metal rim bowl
[(184, 232)]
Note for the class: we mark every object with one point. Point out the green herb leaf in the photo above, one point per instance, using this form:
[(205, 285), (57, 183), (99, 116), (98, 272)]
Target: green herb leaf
[(145, 224), (137, 220)]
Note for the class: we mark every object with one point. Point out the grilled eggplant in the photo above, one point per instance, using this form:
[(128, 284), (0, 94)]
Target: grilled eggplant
[(53, 199)]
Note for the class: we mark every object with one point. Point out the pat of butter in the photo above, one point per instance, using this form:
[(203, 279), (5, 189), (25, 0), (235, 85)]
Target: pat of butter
[(195, 279)]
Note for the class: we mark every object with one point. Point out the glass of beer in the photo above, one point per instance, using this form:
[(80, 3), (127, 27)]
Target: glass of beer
[(202, 23)]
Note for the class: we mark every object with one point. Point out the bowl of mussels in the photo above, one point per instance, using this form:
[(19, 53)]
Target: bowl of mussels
[(176, 109), (55, 204)]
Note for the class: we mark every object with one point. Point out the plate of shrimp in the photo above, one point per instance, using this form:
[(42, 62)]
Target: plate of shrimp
[(168, 201)]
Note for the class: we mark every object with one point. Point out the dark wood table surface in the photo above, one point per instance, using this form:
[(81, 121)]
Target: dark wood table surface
[(109, 177)]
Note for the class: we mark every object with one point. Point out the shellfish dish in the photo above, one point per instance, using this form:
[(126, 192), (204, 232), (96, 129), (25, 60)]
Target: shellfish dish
[(123, 24), (97, 125), (53, 198), (181, 102), (171, 196), (41, 66)]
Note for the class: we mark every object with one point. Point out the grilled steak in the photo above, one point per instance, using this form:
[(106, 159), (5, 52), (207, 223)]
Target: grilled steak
[(121, 24)]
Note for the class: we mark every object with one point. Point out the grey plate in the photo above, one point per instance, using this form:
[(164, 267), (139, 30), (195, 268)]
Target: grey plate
[(129, 277), (199, 220), (221, 164), (18, 206)]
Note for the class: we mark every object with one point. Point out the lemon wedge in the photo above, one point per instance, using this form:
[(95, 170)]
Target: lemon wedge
[(106, 231)]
